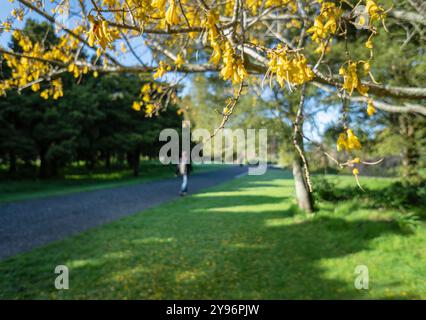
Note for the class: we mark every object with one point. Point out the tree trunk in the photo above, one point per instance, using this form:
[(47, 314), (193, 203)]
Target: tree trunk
[(410, 154), (12, 162), (300, 162), (303, 196), (136, 163)]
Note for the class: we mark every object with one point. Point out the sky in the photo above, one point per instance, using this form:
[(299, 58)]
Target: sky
[(322, 119)]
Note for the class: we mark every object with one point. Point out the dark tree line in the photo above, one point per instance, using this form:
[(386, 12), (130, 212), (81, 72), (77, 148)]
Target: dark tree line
[(93, 122)]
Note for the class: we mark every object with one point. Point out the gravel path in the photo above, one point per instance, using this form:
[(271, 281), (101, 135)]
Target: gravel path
[(29, 224)]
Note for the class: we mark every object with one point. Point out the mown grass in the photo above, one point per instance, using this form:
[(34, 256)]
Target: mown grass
[(241, 240), (79, 179)]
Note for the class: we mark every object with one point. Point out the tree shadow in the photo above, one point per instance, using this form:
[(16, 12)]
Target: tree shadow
[(204, 250)]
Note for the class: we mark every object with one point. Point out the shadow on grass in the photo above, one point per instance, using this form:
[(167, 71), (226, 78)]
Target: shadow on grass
[(183, 250)]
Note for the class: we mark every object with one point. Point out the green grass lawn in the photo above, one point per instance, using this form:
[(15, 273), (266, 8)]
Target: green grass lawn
[(240, 240), (78, 179)]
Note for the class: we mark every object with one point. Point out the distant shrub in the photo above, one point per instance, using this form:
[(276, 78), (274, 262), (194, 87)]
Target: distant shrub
[(326, 190), (401, 194), (397, 195), (408, 223)]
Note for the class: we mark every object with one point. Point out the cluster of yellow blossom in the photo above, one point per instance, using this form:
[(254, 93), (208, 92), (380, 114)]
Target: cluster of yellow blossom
[(370, 108), (6, 25), (161, 70), (146, 101), (213, 36), (54, 91), (233, 68), (18, 14), (254, 5), (141, 10), (291, 68), (172, 16), (159, 4), (179, 61), (325, 24), (76, 71), (351, 80), (348, 141), (369, 43), (193, 16), (374, 11), (34, 62), (352, 164), (101, 33)]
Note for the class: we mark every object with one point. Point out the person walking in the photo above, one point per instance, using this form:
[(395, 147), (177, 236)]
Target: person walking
[(184, 168)]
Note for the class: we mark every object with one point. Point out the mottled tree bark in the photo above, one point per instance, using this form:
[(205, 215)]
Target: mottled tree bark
[(409, 153), (303, 196)]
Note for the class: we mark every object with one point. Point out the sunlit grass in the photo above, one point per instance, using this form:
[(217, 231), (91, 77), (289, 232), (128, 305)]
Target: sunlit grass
[(241, 240)]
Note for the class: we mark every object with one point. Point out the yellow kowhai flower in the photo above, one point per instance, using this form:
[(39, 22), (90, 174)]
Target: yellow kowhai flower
[(233, 68), (351, 80), (355, 160), (210, 24), (326, 23), (322, 47), (216, 55), (7, 26), (367, 67), (35, 87), (72, 68), (253, 5), (146, 98), (100, 32), (370, 108), (123, 47), (159, 4), (374, 11), (161, 70), (355, 171), (136, 106), (172, 17), (317, 30), (213, 35), (369, 44), (146, 88), (275, 3), (150, 109), (179, 61), (348, 141), (57, 89), (45, 94), (194, 19), (291, 69)]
